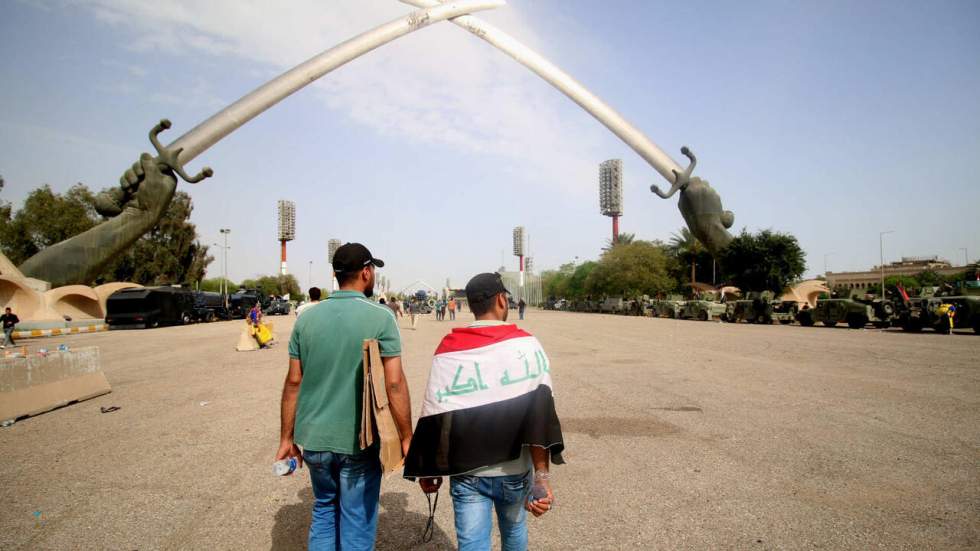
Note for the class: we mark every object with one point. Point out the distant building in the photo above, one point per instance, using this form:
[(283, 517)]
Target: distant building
[(907, 266)]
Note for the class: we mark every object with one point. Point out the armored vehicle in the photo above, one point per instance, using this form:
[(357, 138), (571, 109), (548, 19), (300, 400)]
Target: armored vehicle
[(755, 308), (704, 310), (926, 312), (242, 300), (209, 306), (612, 305), (277, 307), (852, 311), (147, 307)]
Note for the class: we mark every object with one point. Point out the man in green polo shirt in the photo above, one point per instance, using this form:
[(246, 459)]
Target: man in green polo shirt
[(322, 400)]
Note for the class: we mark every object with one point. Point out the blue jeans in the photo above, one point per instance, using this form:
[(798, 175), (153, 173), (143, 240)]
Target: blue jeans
[(474, 497), (345, 499)]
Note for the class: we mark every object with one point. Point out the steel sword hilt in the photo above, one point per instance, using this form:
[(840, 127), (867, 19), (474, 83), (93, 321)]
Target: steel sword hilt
[(170, 157)]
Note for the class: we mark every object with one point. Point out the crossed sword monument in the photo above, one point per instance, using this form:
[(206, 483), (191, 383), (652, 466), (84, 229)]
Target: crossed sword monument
[(147, 187)]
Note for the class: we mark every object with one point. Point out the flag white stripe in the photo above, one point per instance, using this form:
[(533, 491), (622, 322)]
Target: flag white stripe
[(480, 376)]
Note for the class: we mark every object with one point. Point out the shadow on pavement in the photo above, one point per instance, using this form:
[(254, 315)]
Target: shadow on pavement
[(398, 528)]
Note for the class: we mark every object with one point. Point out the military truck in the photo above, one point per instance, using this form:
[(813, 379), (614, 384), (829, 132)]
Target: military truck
[(754, 308), (704, 310), (209, 306), (924, 312), (856, 313), (278, 307), (612, 305), (146, 307), (242, 300)]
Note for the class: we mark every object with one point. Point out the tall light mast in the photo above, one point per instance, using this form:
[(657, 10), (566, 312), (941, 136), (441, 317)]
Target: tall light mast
[(611, 193), (287, 229), (519, 253), (332, 246)]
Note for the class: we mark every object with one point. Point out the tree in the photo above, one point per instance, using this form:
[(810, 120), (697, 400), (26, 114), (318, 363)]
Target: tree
[(213, 285), (621, 239), (277, 285), (169, 253), (45, 219), (686, 247), (577, 287), (554, 283), (632, 269), (764, 261)]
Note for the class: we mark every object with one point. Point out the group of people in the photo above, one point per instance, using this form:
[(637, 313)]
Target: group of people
[(452, 305), (481, 378)]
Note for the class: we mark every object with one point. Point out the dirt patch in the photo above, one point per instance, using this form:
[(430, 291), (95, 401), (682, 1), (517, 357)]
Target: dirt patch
[(600, 427)]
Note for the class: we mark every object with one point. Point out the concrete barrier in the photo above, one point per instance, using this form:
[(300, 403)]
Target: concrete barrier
[(35, 384), (58, 331)]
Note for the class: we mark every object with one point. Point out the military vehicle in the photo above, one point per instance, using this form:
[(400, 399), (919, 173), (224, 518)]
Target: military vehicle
[(704, 310), (612, 305), (924, 312), (639, 306), (242, 300), (147, 307), (278, 307), (856, 313), (209, 307), (754, 308)]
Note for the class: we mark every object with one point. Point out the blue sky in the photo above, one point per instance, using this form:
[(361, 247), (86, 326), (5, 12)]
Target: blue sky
[(829, 120)]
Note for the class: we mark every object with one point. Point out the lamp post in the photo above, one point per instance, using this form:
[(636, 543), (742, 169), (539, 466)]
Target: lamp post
[(224, 268), (881, 254), (966, 257)]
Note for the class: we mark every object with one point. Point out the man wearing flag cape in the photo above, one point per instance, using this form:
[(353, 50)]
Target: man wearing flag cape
[(488, 420)]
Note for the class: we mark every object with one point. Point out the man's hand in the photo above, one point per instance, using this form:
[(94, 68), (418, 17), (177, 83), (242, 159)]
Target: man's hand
[(538, 507), (406, 444), (288, 449), (430, 485), (145, 186)]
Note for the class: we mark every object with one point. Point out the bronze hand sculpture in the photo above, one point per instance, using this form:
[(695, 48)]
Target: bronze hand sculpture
[(700, 206), (134, 208)]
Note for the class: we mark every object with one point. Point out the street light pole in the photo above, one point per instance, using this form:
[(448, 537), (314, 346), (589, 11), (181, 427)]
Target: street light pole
[(224, 269), (966, 257), (881, 253)]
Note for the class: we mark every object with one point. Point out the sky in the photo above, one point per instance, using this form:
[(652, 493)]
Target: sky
[(831, 120)]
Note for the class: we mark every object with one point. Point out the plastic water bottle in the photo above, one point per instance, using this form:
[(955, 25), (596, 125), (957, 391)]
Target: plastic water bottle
[(539, 490), (284, 466)]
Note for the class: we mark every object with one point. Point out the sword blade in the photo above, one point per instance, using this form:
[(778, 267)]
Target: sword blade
[(211, 131), (632, 136)]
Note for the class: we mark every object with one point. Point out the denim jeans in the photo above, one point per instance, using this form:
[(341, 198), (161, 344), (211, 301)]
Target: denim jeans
[(345, 493), (8, 336), (474, 498)]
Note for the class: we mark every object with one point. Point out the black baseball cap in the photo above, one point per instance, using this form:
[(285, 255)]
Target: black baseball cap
[(484, 286), (353, 257)]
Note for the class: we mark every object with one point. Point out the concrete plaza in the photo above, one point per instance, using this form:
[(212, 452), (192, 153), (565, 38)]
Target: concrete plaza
[(679, 435)]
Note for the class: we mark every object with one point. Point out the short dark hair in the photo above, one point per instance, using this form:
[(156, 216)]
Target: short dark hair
[(314, 293), (482, 306), (344, 278)]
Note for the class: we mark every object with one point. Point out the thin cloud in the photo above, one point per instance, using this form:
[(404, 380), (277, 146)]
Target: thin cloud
[(438, 86)]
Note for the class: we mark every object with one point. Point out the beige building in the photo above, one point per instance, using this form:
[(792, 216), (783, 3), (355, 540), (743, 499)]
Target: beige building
[(907, 266)]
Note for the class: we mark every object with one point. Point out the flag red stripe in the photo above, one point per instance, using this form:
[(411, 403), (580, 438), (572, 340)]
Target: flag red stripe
[(468, 338)]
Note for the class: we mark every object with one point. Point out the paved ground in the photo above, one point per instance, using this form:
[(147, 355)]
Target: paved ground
[(679, 434)]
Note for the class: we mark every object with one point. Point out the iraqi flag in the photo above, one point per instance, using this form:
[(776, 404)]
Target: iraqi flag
[(489, 396)]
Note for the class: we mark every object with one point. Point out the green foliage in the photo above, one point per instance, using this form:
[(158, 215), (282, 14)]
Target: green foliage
[(169, 253), (276, 285), (45, 219), (694, 262), (622, 239), (631, 270), (213, 285), (766, 261)]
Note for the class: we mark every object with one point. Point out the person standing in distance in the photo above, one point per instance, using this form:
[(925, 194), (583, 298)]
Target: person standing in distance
[(314, 293), (322, 403), (521, 305), (10, 320), (488, 433)]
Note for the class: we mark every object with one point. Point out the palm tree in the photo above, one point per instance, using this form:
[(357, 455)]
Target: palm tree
[(685, 244), (621, 239)]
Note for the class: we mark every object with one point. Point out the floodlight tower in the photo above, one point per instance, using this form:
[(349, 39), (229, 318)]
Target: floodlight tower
[(519, 253), (332, 246), (287, 229), (611, 193)]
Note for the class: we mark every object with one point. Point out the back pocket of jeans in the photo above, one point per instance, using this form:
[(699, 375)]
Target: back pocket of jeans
[(514, 489)]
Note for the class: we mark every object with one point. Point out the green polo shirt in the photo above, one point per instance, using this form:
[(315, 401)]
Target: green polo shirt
[(328, 339)]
